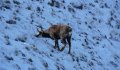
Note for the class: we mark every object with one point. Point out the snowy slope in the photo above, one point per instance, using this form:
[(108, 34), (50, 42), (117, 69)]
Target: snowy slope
[(95, 36)]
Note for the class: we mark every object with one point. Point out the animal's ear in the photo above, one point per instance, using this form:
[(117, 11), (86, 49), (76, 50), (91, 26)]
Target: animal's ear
[(41, 30)]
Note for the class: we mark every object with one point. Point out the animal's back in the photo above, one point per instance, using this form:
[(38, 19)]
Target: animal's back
[(60, 30), (61, 27)]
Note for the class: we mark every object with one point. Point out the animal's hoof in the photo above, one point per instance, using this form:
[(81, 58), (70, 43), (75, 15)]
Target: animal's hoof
[(62, 49), (68, 52), (55, 47), (58, 49)]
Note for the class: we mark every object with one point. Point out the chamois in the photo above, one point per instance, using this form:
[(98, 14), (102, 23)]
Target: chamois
[(56, 32)]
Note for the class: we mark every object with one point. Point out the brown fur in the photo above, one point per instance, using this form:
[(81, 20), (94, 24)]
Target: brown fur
[(57, 32)]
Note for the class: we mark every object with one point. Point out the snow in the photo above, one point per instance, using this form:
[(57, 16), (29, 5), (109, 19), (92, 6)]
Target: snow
[(95, 36)]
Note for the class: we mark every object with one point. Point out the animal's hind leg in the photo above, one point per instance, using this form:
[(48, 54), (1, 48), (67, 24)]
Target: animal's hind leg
[(69, 42)]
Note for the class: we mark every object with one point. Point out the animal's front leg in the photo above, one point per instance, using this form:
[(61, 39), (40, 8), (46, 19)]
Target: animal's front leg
[(56, 45), (64, 44)]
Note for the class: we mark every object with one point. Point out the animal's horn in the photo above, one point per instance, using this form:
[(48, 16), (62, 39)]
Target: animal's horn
[(39, 28)]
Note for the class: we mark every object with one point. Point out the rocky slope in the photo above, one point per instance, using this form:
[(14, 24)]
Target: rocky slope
[(95, 36)]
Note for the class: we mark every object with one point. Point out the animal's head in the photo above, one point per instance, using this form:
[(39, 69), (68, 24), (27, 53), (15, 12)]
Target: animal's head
[(40, 32)]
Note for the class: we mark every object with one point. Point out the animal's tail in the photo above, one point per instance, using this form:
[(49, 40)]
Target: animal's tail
[(70, 29)]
